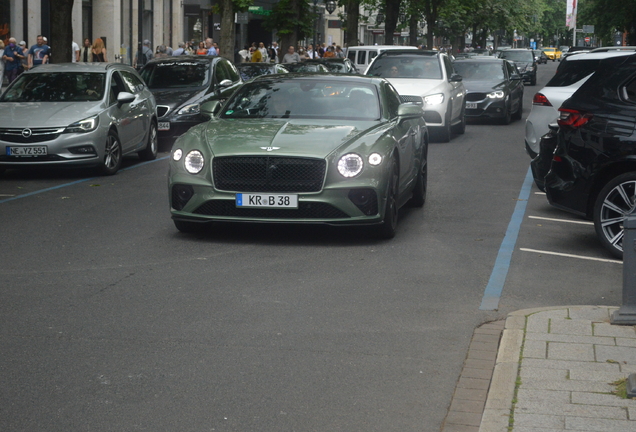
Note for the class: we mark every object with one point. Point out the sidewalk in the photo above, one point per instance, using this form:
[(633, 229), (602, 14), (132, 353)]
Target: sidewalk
[(554, 370)]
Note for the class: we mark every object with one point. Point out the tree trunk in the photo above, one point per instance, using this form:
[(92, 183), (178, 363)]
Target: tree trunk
[(353, 16), (226, 44), (413, 21), (61, 37), (391, 12)]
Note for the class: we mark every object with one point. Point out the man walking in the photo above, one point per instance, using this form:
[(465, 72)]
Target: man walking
[(291, 56), (209, 44), (38, 53), (12, 57)]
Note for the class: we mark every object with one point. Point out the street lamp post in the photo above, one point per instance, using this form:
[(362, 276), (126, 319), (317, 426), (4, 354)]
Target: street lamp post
[(315, 23)]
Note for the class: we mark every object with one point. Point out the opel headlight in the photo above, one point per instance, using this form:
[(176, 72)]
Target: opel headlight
[(350, 165), (194, 162), (435, 99), (86, 125), (496, 94), (190, 109)]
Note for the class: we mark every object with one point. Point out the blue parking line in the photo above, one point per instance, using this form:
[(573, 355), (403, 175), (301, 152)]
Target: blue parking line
[(492, 293), (76, 182)]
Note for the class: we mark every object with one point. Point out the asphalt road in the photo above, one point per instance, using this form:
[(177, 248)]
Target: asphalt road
[(110, 319)]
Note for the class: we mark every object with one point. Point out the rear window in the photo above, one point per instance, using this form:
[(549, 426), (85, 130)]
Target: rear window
[(406, 66), (520, 56), (570, 72)]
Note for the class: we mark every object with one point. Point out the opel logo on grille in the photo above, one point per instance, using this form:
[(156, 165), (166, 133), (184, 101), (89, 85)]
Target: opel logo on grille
[(26, 133), (270, 148)]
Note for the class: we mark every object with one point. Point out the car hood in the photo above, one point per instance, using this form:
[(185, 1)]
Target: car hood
[(406, 86), (291, 137), (175, 98), (483, 86), (45, 114)]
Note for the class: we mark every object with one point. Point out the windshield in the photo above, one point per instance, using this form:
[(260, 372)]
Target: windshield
[(479, 70), (335, 67), (571, 71), (248, 72), (310, 99), (56, 87), (177, 74), (406, 67), (304, 67), (520, 56)]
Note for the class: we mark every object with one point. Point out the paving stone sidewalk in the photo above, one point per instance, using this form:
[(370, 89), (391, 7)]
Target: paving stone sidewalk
[(554, 372)]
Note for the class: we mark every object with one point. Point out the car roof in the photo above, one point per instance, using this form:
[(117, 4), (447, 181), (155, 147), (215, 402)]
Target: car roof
[(322, 76), (599, 55), (78, 67), (185, 58), (614, 48), (429, 53), (479, 59)]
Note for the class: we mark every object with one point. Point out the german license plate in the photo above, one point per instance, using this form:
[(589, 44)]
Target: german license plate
[(471, 105), (267, 200), (27, 151), (163, 126)]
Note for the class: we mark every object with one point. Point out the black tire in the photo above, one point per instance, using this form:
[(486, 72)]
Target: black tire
[(608, 220), (421, 182), (152, 147), (460, 128), (507, 118), (519, 113), (187, 226), (443, 133), (113, 154), (389, 221), (533, 81)]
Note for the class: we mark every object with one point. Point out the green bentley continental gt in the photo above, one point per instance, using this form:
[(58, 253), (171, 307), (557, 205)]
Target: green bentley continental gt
[(301, 148)]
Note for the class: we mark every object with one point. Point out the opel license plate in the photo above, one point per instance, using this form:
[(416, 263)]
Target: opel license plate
[(27, 151), (266, 200), (163, 126)]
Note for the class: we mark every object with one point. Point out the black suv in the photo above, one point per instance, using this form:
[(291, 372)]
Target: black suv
[(525, 61), (593, 170)]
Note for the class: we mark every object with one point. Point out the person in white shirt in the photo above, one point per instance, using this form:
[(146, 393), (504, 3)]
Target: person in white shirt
[(76, 50), (311, 53)]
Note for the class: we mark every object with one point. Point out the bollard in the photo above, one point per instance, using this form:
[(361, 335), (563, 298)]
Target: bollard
[(626, 315)]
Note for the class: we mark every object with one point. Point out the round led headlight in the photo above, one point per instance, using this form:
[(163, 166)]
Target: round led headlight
[(194, 162), (176, 155), (350, 165), (375, 159)]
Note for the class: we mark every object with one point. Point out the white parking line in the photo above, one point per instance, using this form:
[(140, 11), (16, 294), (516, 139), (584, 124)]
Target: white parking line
[(539, 193), (571, 256), (562, 220)]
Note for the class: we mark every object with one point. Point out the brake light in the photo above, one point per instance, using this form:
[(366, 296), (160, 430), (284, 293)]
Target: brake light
[(572, 118), (540, 99)]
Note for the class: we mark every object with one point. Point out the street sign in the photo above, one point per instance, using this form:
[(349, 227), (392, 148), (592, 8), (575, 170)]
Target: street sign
[(587, 39), (588, 29)]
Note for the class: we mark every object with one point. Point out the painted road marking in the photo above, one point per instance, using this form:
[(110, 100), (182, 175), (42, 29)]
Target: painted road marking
[(571, 255), (492, 293), (562, 220)]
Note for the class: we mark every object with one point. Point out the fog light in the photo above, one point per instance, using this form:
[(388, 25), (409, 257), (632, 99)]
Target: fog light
[(85, 149), (181, 194), (365, 199)]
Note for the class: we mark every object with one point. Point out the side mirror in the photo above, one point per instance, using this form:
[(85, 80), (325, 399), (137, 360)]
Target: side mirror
[(124, 98), (211, 108), (515, 77), (225, 83), (410, 110), (456, 78)]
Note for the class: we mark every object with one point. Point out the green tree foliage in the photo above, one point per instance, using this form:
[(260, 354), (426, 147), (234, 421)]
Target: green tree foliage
[(292, 20), (608, 17)]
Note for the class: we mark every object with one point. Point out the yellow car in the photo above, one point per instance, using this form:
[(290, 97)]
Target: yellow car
[(552, 53)]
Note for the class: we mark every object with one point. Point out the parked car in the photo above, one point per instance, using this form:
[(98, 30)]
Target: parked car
[(574, 50), (552, 53), (570, 75), (336, 65), (494, 88), (540, 57), (323, 149), (427, 78), (614, 48), (361, 56), (593, 170), (250, 71), (525, 62), (304, 67), (181, 84), (77, 115)]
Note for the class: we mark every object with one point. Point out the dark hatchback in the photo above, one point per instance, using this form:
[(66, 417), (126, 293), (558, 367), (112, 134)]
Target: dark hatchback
[(593, 170), (525, 62), (493, 88), (181, 84), (250, 71)]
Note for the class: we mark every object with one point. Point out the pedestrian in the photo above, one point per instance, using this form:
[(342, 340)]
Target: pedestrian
[(329, 53), (257, 56), (291, 56), (311, 53), (12, 57), (146, 55), (85, 52), (272, 55), (202, 50), (216, 47), (76, 51), (263, 50), (1, 62), (339, 52), (24, 61), (209, 45), (245, 54), (38, 53), (161, 51), (179, 51), (99, 51)]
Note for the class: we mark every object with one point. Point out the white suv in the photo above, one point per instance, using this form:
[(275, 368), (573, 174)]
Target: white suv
[(427, 78), (573, 71)]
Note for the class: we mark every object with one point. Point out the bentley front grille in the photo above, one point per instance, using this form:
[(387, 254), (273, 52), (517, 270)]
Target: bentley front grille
[(305, 210)]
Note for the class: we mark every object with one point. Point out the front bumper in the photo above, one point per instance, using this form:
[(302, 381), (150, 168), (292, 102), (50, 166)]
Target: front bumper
[(485, 107)]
